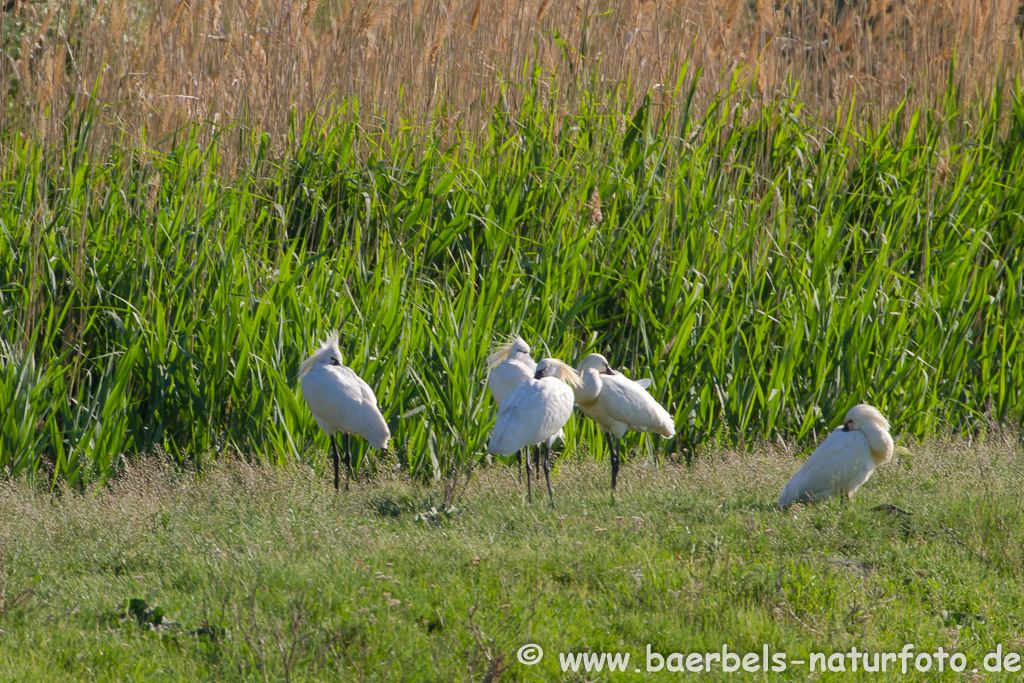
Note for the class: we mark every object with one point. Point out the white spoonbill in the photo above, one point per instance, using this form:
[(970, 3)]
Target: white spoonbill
[(619, 405), (508, 366), (341, 402), (533, 413), (844, 460)]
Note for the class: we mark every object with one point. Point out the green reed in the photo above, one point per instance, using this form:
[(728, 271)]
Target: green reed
[(765, 270)]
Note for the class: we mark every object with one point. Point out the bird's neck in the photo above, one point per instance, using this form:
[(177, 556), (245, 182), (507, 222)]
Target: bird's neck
[(880, 443), (588, 393), (522, 365)]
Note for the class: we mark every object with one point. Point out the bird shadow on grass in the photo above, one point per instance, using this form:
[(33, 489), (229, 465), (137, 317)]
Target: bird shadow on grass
[(427, 505), (744, 506), (759, 507)]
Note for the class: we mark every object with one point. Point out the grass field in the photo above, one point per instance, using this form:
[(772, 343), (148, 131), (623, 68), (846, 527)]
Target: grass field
[(266, 574)]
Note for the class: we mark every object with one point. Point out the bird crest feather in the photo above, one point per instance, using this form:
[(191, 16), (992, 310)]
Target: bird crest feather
[(502, 351), (329, 344), (566, 372)]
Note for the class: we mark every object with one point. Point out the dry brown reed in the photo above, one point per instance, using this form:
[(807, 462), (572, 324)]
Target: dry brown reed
[(163, 64), (594, 207)]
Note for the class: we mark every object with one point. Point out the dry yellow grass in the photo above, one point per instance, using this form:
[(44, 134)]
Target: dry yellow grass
[(161, 64)]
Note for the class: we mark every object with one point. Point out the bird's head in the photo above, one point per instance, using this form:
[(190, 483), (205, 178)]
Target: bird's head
[(514, 349), (596, 361), (869, 421), (328, 354), (552, 367), (862, 415)]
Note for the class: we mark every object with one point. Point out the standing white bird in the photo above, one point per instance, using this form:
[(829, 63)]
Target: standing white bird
[(341, 402), (619, 405), (535, 412), (844, 460), (508, 366)]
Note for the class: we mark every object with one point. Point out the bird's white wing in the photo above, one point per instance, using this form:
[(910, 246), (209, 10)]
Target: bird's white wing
[(626, 402), (342, 402), (505, 377), (839, 465), (532, 413), (596, 412), (645, 383)]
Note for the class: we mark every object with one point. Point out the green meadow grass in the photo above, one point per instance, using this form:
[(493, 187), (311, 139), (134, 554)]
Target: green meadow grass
[(765, 269), (261, 573)]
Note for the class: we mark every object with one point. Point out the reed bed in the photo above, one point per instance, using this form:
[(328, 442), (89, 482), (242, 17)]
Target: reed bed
[(207, 189), (156, 67), (765, 278)]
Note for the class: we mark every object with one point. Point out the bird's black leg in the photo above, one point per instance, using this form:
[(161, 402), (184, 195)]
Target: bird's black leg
[(536, 461), (613, 447), (519, 459), (348, 461), (529, 490), (547, 471), (334, 457)]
